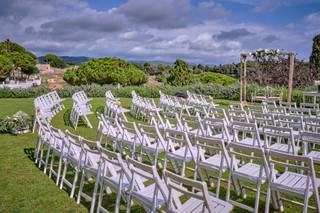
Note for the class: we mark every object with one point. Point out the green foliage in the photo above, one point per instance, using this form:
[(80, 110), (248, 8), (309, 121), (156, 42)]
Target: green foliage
[(5, 66), (315, 55), (215, 78), (19, 56), (16, 124), (55, 61), (23, 93), (24, 61), (180, 74), (106, 71)]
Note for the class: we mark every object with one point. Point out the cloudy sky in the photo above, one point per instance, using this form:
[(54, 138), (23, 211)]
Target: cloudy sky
[(208, 31)]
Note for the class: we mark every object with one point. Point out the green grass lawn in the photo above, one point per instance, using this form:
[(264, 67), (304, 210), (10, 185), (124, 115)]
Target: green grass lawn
[(25, 188)]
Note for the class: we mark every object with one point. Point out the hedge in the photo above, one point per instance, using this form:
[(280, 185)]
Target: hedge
[(94, 90), (215, 78)]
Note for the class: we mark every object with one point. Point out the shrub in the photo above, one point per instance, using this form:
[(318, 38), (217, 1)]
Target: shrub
[(215, 78), (217, 91), (54, 61), (18, 123), (180, 74), (106, 71)]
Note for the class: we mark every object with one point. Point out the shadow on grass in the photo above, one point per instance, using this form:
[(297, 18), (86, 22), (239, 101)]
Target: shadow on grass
[(66, 117), (30, 153)]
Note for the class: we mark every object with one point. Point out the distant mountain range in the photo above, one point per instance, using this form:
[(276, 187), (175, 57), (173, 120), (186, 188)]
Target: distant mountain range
[(82, 59), (73, 59)]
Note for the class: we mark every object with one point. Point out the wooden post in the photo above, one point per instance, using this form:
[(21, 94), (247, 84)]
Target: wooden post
[(290, 80), (245, 81), (241, 82)]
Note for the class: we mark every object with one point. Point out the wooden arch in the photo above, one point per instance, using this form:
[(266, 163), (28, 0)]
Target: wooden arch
[(243, 74)]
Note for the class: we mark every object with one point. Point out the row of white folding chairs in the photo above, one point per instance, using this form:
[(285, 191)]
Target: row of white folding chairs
[(199, 100), (112, 172), (169, 103), (113, 107), (47, 105), (186, 152), (142, 107), (81, 108)]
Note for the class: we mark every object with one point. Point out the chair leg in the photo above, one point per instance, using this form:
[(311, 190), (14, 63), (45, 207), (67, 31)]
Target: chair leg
[(41, 156), (116, 210), (275, 201), (305, 203), (94, 195), (81, 187), (100, 196), (36, 153), (256, 205), (267, 205), (46, 162), (75, 179), (64, 174), (59, 170), (218, 183), (129, 204), (51, 165)]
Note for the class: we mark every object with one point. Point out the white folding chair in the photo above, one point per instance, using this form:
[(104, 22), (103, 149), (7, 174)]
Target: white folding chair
[(129, 137), (253, 168), (74, 159), (212, 157), (59, 148), (280, 138), (245, 133), (311, 145), (89, 168), (113, 174), (297, 179), (199, 199), (146, 187), (152, 142), (216, 128), (238, 116), (179, 150), (107, 129)]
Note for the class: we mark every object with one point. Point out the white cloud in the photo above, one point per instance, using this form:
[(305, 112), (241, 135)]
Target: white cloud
[(148, 29)]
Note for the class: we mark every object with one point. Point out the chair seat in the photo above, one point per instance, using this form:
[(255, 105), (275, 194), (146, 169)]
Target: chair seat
[(146, 196), (124, 110), (179, 154), (282, 147), (153, 147), (248, 142), (194, 205), (315, 155), (294, 182), (214, 162), (113, 182), (250, 171)]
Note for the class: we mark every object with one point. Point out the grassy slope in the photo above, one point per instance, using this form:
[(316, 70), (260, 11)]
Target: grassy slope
[(24, 188)]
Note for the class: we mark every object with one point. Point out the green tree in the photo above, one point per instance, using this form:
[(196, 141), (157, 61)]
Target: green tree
[(24, 61), (180, 74), (105, 71), (5, 66), (55, 61), (315, 54), (19, 57)]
